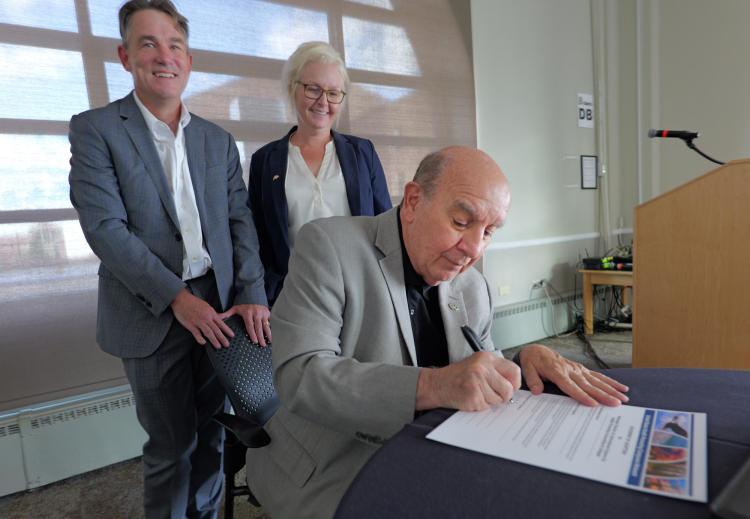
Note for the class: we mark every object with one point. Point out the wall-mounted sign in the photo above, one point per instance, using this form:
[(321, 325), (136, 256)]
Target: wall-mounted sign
[(589, 172), (585, 110)]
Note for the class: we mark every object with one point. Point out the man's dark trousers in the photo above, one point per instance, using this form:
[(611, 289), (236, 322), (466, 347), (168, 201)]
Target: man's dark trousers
[(176, 393)]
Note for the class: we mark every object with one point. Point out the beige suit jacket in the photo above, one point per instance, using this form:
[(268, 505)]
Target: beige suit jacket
[(344, 360)]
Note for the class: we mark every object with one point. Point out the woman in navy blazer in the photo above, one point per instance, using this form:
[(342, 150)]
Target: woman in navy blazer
[(316, 81)]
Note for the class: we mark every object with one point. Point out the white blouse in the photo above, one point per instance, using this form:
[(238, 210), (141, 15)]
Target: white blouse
[(308, 197)]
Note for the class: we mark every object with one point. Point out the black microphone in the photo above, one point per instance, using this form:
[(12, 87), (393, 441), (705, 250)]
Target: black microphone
[(679, 134)]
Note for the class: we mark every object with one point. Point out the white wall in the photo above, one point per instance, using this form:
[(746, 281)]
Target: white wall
[(619, 75), (695, 76), (679, 64), (531, 58)]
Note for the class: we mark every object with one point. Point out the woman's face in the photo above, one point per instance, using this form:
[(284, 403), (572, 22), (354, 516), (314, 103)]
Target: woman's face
[(317, 114)]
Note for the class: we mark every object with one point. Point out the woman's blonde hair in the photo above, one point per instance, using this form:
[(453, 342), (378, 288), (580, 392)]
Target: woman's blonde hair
[(310, 52)]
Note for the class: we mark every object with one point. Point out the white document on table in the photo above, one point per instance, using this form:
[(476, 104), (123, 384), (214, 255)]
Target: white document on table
[(651, 450)]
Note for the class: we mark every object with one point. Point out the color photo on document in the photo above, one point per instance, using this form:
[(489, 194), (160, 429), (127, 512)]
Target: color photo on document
[(666, 485), (668, 456)]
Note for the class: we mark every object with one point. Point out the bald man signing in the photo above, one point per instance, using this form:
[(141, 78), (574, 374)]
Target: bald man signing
[(368, 331)]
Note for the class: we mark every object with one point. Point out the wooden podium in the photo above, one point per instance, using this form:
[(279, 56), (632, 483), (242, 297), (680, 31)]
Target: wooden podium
[(691, 304)]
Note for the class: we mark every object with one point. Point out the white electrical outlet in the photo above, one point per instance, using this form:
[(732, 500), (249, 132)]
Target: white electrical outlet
[(503, 290)]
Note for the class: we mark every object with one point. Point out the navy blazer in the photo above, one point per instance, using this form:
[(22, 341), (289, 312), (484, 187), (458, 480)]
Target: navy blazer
[(366, 192)]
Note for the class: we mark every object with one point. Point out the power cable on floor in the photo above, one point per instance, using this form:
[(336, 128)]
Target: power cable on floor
[(588, 349)]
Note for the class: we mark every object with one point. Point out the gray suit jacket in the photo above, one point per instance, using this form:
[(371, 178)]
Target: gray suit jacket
[(126, 210), (344, 359)]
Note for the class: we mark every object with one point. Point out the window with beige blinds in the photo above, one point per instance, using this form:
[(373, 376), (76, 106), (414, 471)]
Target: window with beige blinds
[(412, 92)]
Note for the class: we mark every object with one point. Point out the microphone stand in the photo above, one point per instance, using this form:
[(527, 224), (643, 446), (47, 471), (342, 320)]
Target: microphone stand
[(689, 143)]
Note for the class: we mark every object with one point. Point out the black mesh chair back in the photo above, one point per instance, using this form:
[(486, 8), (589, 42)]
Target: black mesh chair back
[(245, 371)]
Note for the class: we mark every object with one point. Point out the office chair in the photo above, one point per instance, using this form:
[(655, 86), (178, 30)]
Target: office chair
[(244, 370)]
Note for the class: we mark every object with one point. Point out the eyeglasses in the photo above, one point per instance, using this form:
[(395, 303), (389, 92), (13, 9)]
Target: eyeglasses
[(314, 92)]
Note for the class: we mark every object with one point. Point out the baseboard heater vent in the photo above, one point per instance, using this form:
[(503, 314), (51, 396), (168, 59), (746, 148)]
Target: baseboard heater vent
[(529, 321), (8, 430), (529, 307), (83, 412), (57, 440)]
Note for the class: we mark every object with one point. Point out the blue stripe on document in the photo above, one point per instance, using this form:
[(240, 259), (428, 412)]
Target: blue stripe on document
[(641, 448)]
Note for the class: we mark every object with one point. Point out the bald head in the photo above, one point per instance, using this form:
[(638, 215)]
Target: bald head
[(456, 160), (458, 198)]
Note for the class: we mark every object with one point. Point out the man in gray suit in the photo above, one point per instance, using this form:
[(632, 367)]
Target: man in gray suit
[(368, 332), (162, 203)]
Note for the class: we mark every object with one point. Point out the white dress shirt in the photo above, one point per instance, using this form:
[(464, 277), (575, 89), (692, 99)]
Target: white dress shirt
[(173, 158), (309, 197)]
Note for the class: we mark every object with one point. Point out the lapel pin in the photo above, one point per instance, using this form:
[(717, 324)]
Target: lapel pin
[(275, 178), (453, 306)]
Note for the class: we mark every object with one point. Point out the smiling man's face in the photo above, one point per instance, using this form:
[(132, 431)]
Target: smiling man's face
[(157, 56)]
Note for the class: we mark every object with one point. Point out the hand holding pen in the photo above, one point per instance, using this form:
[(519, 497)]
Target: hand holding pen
[(473, 339)]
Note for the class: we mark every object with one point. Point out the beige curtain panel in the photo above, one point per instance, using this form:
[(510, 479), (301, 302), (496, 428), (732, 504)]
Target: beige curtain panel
[(412, 92)]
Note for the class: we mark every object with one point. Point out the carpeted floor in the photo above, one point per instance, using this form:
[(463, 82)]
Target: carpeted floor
[(114, 492), (614, 348)]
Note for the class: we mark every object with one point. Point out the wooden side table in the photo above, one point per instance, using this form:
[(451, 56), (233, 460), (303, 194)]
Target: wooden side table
[(591, 278)]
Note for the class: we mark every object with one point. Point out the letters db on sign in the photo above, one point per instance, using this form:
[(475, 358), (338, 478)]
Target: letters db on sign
[(585, 110)]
